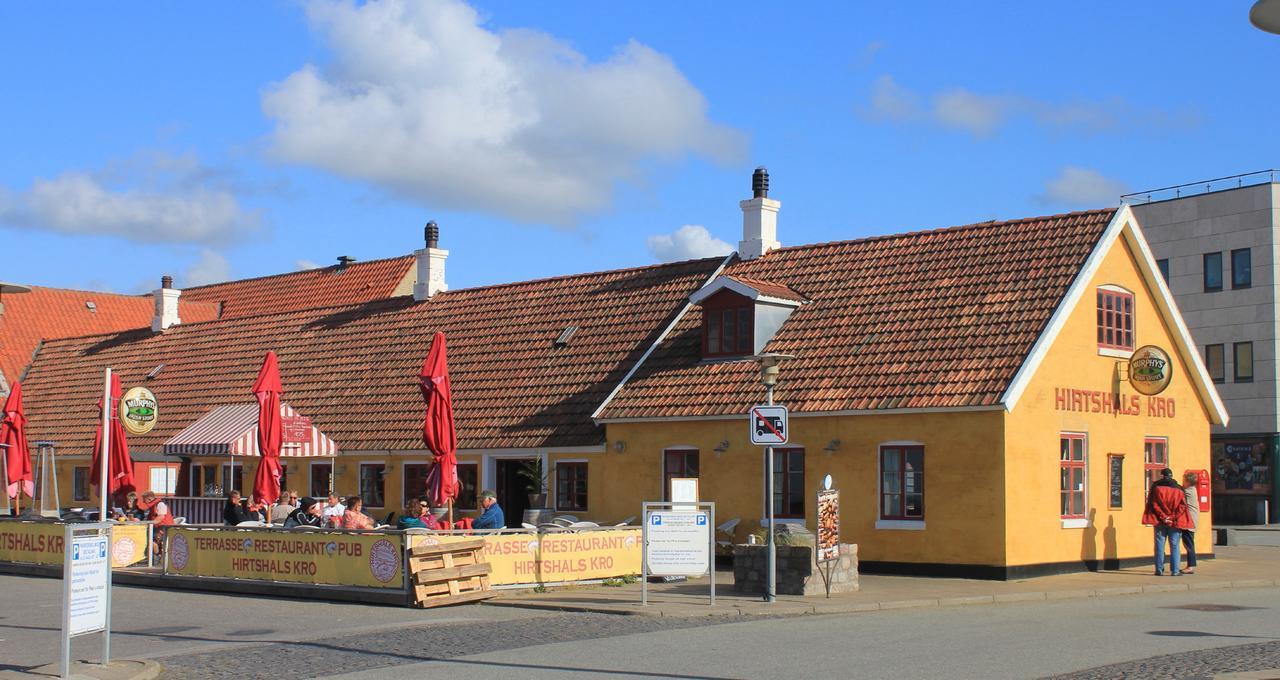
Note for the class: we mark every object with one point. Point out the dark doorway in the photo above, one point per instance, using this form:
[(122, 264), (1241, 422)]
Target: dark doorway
[(512, 490)]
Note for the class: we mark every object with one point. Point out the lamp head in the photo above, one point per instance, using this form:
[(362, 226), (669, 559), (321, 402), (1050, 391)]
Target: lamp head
[(769, 366)]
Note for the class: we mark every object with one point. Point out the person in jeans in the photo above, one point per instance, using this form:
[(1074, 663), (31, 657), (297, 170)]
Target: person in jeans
[(1166, 511), (1193, 514)]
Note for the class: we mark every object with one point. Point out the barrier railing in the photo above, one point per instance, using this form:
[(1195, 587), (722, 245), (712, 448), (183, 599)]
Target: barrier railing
[(196, 509)]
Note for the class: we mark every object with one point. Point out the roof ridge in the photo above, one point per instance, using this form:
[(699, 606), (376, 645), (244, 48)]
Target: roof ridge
[(82, 291), (602, 272), (356, 263), (957, 227)]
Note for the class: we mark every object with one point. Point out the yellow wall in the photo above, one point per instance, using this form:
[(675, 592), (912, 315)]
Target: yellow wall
[(1033, 520), (964, 508)]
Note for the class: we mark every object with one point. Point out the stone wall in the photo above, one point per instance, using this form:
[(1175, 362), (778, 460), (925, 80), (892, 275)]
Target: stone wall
[(797, 574)]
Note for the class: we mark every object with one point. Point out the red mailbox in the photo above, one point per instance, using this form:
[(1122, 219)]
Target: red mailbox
[(1203, 485)]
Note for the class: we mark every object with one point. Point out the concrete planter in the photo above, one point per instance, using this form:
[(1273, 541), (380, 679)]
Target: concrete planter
[(797, 573)]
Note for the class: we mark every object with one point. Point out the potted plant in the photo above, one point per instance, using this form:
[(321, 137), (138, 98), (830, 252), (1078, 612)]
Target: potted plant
[(535, 478)]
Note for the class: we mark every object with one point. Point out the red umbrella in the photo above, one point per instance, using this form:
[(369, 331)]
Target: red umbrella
[(120, 465), (13, 434), (437, 427), (266, 484)]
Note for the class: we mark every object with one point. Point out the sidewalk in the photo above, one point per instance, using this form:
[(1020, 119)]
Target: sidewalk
[(1245, 566)]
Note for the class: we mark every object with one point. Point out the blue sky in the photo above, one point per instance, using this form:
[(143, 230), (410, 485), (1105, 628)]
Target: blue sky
[(226, 140)]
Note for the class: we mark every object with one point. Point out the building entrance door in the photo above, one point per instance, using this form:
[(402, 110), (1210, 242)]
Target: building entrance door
[(513, 494)]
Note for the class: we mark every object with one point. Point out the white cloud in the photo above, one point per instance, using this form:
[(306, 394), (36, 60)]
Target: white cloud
[(891, 101), (976, 114), (423, 101), (983, 115), (148, 198), (690, 242), (303, 265), (210, 267), (1083, 187)]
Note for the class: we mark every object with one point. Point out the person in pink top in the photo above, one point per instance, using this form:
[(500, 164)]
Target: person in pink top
[(353, 517)]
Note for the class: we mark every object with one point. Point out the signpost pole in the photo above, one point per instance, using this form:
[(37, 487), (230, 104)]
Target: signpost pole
[(711, 550), (769, 591), (644, 555), (104, 459)]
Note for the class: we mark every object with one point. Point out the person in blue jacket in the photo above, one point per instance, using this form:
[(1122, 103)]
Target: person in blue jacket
[(492, 517)]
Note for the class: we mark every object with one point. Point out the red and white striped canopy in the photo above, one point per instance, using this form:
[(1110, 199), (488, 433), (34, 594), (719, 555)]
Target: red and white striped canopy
[(232, 430)]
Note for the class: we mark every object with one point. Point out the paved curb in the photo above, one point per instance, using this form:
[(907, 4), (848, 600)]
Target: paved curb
[(824, 606), (120, 669)]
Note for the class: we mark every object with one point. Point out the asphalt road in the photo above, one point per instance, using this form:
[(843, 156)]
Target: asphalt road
[(1026, 640), (216, 636)]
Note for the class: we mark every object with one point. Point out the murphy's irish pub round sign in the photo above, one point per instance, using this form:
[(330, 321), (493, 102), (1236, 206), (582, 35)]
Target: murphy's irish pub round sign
[(1150, 370), (138, 410)]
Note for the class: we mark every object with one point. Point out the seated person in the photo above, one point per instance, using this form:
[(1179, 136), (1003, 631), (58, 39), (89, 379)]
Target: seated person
[(333, 511), (307, 515), (256, 512), (285, 505), (156, 511), (354, 517), (233, 512), (417, 517), (492, 517)]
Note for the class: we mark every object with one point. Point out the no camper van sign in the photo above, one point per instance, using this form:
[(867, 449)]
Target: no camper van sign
[(1150, 370)]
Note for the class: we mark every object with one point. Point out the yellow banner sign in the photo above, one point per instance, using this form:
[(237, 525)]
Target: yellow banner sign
[(41, 543), (340, 559), (554, 558)]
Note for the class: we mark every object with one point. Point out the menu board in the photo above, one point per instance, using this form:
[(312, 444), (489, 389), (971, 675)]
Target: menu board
[(828, 525), (1116, 478), (1242, 467)]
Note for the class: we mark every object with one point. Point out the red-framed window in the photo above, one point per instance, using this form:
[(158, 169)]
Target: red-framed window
[(728, 325), (1072, 454), (1155, 457), (571, 486), (902, 482), (788, 483), (677, 463), (1115, 319)]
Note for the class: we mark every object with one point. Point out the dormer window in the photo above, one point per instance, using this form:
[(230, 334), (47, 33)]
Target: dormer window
[(741, 315), (727, 325)]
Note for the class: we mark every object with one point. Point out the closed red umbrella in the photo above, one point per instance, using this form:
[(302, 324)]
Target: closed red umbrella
[(437, 427), (13, 436), (119, 463), (266, 484)]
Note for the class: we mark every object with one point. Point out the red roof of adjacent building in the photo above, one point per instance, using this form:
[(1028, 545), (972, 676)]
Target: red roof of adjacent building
[(47, 313), (353, 369), (932, 319), (311, 288)]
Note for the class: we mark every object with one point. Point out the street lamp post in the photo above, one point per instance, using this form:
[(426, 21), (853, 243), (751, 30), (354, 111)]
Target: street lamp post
[(769, 377)]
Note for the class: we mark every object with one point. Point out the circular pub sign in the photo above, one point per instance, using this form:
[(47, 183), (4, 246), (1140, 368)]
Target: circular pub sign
[(138, 410), (1150, 370)]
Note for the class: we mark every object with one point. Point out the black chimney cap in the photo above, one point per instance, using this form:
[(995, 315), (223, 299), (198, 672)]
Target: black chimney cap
[(760, 183), (166, 281), (432, 234), (344, 260)]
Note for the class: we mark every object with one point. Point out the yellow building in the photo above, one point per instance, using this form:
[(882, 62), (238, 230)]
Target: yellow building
[(967, 388)]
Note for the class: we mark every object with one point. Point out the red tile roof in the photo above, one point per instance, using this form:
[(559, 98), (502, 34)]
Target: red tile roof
[(353, 369), (768, 288), (47, 313), (308, 289), (938, 318)]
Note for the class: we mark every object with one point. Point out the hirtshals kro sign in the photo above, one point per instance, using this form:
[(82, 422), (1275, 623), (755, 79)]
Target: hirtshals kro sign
[(138, 409), (1150, 370)]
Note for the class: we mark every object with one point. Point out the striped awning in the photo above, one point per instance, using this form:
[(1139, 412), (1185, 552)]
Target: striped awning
[(233, 431)]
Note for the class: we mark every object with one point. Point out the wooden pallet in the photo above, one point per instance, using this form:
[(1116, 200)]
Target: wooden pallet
[(449, 573)]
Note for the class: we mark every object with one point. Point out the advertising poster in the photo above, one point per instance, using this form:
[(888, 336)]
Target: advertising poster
[(1241, 467), (828, 525), (553, 558), (370, 561)]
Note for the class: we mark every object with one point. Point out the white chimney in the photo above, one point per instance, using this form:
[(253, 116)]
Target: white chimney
[(166, 299), (759, 218), (430, 265)]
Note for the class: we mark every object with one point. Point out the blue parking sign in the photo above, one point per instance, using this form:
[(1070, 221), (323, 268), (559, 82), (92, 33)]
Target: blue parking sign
[(702, 520), (655, 519)]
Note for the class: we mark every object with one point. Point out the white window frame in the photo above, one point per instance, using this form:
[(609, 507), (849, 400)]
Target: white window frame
[(333, 475), (404, 476), (360, 475)]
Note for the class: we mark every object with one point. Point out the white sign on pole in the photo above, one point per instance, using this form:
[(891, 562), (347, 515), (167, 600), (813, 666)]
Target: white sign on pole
[(678, 543), (89, 563), (768, 425)]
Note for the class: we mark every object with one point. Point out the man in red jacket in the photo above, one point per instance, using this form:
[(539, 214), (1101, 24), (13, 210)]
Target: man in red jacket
[(1167, 511)]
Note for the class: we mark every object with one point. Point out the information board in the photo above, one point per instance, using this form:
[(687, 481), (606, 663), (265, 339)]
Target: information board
[(87, 590), (678, 542)]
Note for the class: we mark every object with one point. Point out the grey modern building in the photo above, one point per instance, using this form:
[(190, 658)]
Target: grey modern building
[(1218, 245)]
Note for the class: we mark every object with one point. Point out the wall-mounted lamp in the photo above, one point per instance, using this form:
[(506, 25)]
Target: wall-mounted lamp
[(832, 446), (619, 446), (723, 446)]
